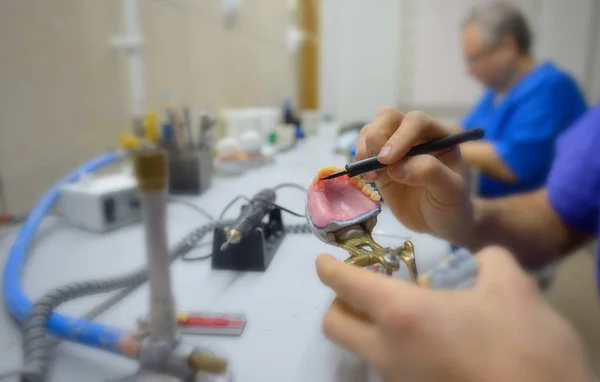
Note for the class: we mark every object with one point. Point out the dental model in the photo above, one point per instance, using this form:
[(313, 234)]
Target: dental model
[(343, 212), (229, 158), (252, 144)]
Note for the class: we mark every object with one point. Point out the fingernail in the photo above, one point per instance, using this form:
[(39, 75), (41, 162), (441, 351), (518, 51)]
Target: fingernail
[(385, 151), (369, 175)]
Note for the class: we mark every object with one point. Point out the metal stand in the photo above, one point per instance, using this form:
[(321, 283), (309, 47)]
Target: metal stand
[(162, 356)]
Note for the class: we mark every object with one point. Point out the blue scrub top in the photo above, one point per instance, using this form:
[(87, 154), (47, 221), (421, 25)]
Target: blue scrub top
[(524, 124)]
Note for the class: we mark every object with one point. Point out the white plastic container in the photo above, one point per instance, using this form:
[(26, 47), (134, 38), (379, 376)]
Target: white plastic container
[(286, 136), (311, 119), (261, 120)]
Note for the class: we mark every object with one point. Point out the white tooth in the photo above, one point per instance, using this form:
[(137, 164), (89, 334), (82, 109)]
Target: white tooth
[(375, 196), (367, 189), (360, 183), (354, 179)]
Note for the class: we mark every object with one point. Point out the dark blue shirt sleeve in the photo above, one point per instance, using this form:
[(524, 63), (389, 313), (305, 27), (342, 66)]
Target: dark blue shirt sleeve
[(574, 181), (528, 147)]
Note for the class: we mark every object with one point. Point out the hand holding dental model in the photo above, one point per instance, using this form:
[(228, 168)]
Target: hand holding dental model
[(498, 329)]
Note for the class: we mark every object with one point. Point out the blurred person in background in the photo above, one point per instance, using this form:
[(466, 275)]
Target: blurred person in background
[(525, 106)]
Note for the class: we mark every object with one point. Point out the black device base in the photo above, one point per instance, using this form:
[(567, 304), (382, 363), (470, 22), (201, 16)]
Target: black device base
[(255, 251)]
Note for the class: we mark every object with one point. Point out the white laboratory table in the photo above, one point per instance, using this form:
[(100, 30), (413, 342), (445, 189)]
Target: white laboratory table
[(282, 342)]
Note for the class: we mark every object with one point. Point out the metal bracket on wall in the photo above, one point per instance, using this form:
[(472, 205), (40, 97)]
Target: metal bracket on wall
[(231, 9)]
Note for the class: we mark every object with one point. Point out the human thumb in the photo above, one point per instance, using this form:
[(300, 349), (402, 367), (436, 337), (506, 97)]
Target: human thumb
[(500, 271)]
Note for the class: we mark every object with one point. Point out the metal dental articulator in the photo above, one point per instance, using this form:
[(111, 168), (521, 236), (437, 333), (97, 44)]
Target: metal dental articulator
[(365, 251), (458, 270), (355, 235)]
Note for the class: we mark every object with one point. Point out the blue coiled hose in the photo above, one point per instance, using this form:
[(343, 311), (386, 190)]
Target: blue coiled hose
[(68, 328)]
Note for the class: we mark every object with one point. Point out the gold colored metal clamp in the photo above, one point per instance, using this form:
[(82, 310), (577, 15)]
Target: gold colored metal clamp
[(365, 251)]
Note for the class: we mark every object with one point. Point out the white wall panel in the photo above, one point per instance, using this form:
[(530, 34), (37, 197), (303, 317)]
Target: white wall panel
[(564, 35), (361, 59), (423, 38)]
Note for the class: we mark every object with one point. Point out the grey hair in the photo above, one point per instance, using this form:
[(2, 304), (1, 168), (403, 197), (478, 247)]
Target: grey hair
[(499, 20)]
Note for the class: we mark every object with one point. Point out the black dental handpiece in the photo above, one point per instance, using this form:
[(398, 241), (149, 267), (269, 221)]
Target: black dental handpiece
[(372, 164), (250, 217)]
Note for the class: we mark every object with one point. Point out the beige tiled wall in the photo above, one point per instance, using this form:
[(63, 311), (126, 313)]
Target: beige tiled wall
[(64, 90)]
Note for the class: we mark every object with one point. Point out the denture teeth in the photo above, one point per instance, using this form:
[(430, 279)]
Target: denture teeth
[(367, 189), (361, 183), (375, 196), (354, 179), (324, 171)]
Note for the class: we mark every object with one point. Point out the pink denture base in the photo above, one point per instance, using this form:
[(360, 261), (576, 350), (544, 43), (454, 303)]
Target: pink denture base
[(337, 200)]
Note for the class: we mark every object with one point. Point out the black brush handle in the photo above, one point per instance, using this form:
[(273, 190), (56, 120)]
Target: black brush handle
[(372, 164), (446, 142), (363, 166)]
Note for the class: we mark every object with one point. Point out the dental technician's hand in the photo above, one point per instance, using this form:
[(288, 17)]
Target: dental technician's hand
[(499, 330), (427, 193)]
